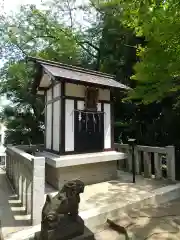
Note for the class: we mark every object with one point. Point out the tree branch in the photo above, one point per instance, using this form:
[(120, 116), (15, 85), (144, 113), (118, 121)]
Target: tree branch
[(90, 44), (70, 13)]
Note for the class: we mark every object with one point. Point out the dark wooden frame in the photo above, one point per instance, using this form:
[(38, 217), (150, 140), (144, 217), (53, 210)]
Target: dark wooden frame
[(52, 130), (63, 97), (76, 98), (112, 120), (63, 117), (95, 92)]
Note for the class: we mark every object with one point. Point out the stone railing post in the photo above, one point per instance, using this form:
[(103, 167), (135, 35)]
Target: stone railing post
[(16, 174), (147, 164), (28, 196), (137, 159), (38, 189), (157, 166), (10, 168), (132, 143), (12, 171), (20, 186), (129, 159), (171, 162), (7, 165), (24, 191)]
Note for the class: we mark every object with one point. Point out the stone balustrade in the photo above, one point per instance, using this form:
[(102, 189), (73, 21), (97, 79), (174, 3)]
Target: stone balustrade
[(148, 160), (27, 175)]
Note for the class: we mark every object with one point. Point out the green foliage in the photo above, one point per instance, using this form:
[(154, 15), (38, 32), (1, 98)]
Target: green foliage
[(118, 54), (157, 72)]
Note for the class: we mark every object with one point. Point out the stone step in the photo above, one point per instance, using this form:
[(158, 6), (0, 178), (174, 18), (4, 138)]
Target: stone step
[(96, 217)]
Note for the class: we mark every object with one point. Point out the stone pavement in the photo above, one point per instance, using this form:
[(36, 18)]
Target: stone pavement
[(143, 222), (152, 223), (122, 190)]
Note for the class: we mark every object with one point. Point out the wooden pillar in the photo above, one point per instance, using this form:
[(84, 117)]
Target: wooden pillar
[(52, 116), (112, 120), (62, 114)]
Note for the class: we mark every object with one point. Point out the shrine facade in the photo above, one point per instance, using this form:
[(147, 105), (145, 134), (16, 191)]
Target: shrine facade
[(78, 107)]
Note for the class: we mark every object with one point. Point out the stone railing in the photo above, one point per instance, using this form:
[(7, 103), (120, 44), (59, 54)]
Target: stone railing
[(148, 160), (31, 148), (2, 156), (27, 176)]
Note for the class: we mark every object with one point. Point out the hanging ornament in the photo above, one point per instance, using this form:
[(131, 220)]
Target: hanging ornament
[(87, 119), (80, 119), (94, 122), (99, 116)]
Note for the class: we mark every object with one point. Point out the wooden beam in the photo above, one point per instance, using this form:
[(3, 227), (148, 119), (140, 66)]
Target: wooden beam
[(52, 125), (63, 118), (112, 121), (102, 121)]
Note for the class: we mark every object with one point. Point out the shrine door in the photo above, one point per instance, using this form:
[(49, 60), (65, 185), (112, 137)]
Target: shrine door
[(89, 131)]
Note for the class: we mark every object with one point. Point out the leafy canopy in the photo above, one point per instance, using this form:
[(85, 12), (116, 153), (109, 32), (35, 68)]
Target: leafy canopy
[(158, 70)]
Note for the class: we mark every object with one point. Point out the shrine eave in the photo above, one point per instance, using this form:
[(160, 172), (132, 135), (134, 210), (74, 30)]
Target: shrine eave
[(59, 71)]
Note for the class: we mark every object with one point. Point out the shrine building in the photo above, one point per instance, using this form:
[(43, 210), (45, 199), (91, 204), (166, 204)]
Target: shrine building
[(78, 116)]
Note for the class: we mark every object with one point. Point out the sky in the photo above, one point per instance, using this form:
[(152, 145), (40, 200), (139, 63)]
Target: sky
[(12, 5)]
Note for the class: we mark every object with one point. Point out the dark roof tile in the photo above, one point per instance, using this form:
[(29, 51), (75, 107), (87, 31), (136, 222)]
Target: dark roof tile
[(79, 74)]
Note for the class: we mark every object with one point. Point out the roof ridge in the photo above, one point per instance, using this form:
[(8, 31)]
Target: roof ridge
[(79, 69)]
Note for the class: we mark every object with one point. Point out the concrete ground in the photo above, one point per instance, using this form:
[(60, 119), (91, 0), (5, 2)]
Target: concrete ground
[(144, 222)]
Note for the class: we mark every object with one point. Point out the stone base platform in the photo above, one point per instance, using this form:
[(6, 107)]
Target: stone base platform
[(88, 235), (68, 228), (91, 168)]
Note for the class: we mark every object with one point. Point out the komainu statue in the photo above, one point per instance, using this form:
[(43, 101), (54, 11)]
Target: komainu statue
[(60, 219)]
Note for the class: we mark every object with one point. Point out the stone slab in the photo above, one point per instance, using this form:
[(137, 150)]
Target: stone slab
[(57, 161)]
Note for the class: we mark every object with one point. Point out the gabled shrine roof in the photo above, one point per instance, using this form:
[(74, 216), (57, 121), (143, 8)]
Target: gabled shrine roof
[(77, 75)]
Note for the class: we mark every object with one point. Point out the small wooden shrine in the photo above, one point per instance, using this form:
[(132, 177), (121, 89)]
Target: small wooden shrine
[(78, 107)]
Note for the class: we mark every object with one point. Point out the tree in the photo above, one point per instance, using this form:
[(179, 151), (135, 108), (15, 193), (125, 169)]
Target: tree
[(32, 33), (157, 72)]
